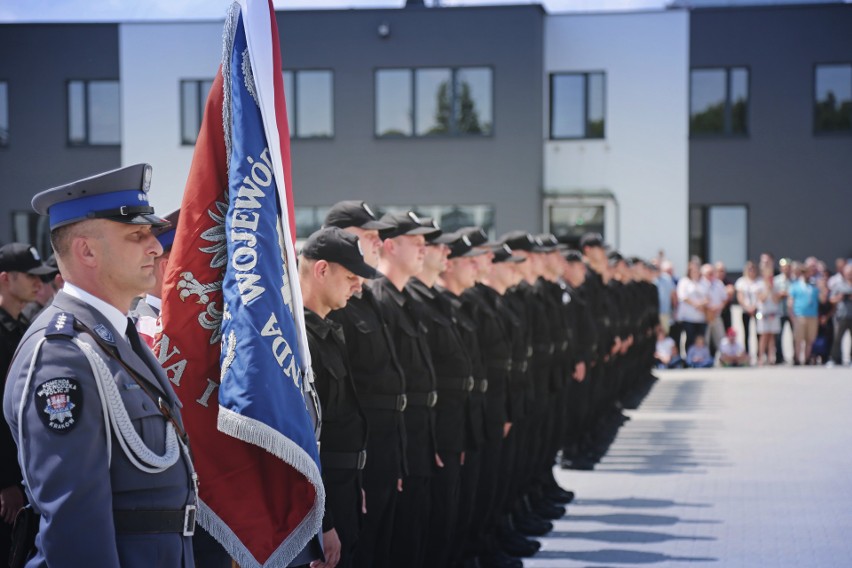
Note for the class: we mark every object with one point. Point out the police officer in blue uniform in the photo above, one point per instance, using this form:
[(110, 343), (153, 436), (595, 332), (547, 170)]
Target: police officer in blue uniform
[(101, 445)]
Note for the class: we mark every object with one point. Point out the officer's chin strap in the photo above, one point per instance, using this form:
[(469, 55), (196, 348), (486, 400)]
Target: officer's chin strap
[(133, 446)]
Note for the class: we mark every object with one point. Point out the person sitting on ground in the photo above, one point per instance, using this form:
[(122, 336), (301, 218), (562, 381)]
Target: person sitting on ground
[(731, 351), (667, 355), (698, 356)]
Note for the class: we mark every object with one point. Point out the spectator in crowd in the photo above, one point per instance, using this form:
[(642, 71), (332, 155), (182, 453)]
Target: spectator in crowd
[(731, 351), (803, 305), (745, 298), (722, 276), (667, 292), (837, 277), (717, 297), (692, 303), (782, 287), (841, 297), (667, 355), (698, 356), (768, 314), (821, 350)]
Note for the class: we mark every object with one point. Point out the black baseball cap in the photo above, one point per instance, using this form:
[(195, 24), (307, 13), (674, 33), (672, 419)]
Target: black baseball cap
[(519, 240), (572, 255), (117, 195), (353, 213), (464, 247), (503, 253), (592, 240), (407, 223), (438, 237), (20, 257), (333, 244), (545, 242), (477, 235)]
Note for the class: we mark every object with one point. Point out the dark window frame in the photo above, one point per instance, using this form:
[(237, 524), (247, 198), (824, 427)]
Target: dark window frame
[(827, 133), (585, 75), (727, 131), (5, 144), (87, 143), (294, 103), (453, 133), (200, 100)]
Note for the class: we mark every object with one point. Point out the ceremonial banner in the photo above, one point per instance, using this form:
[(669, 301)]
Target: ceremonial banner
[(233, 339)]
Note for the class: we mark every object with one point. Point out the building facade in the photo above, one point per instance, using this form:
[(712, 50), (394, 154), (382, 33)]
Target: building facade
[(722, 132)]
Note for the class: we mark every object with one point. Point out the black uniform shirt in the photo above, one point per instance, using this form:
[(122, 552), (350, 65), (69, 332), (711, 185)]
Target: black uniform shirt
[(409, 336), (11, 333), (452, 364), (377, 376)]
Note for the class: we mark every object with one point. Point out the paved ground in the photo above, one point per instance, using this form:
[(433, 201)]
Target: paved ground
[(719, 467)]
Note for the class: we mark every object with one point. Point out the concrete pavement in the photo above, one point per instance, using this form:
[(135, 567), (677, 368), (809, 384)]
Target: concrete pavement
[(719, 467)]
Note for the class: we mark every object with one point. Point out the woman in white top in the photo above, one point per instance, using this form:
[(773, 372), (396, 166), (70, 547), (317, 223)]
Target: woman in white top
[(692, 303), (745, 298), (767, 315)]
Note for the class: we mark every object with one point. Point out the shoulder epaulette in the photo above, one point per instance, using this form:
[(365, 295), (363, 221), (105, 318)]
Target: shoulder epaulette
[(62, 325)]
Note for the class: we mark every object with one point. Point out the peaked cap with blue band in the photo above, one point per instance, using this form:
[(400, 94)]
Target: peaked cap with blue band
[(118, 195), (166, 233)]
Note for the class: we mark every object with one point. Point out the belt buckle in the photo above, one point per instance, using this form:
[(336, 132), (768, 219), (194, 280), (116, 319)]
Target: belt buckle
[(401, 402), (432, 399), (483, 385), (469, 384), (362, 459), (189, 520)]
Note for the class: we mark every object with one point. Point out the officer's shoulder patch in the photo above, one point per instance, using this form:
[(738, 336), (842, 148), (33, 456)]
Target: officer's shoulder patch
[(60, 403), (104, 333), (62, 325)]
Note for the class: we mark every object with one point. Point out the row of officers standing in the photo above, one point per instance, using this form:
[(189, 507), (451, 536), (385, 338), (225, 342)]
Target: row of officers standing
[(453, 371)]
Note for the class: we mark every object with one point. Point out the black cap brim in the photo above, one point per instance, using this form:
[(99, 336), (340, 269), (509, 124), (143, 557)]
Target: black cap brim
[(376, 225), (362, 269), (42, 270), (152, 220)]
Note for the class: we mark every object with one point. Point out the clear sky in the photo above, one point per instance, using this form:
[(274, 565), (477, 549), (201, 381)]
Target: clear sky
[(124, 10)]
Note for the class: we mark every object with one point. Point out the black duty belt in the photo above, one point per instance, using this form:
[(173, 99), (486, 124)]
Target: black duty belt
[(482, 385), (427, 399), (383, 401), (464, 384), (344, 460), (522, 367), (150, 521)]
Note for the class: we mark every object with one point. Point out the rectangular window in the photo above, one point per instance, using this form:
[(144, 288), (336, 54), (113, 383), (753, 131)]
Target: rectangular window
[(4, 113), (30, 227), (94, 113), (434, 102), (310, 103), (577, 105), (718, 103), (833, 98), (719, 233), (193, 97)]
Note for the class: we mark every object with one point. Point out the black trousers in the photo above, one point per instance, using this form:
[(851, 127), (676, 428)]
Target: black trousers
[(467, 499), (445, 489), (374, 544), (411, 522), (343, 500)]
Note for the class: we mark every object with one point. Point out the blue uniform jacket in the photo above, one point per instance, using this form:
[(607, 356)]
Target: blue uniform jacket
[(70, 481)]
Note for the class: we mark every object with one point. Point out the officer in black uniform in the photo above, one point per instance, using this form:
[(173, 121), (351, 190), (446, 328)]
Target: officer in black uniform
[(20, 272), (330, 271), (380, 384), (402, 255), (451, 360)]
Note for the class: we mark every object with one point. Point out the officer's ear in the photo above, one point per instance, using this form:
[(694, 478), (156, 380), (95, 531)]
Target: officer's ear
[(4, 277), (82, 250), (321, 269)]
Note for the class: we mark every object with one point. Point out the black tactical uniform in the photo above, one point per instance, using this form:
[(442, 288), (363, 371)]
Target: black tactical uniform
[(343, 436)]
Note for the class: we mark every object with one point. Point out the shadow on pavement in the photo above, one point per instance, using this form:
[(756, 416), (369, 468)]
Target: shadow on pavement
[(620, 556), (634, 519), (636, 537), (636, 503)]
